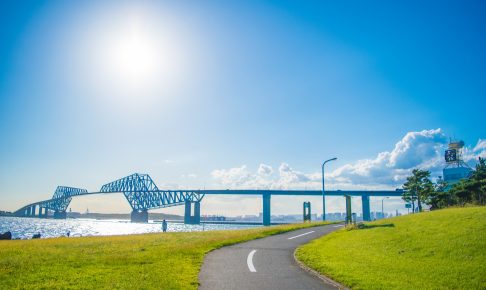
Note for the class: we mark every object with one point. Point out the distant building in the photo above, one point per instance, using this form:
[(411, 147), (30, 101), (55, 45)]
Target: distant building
[(456, 169), (213, 218)]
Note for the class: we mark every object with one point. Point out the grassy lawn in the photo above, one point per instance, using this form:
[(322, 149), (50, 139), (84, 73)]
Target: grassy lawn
[(443, 249), (167, 261)]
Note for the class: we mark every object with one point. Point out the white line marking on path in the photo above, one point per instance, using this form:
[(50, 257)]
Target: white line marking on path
[(301, 235), (337, 226), (249, 261)]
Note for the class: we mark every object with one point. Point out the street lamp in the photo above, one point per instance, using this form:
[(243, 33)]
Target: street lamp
[(382, 213), (323, 196)]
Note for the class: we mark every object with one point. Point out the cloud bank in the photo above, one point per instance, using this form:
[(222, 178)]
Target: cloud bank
[(388, 170)]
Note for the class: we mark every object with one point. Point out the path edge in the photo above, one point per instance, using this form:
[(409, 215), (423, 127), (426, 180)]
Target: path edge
[(317, 274)]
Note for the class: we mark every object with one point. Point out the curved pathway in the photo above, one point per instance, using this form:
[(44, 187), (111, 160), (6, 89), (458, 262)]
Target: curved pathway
[(266, 263)]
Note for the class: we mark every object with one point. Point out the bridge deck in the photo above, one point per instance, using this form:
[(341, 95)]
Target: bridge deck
[(142, 194), (267, 192), (305, 192)]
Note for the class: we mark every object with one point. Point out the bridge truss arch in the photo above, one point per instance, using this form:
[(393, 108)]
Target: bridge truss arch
[(58, 203), (142, 194)]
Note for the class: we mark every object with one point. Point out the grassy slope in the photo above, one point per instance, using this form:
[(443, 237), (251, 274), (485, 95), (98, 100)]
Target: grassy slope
[(168, 261), (443, 249)]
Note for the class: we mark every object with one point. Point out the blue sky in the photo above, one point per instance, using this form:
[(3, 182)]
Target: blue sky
[(230, 93)]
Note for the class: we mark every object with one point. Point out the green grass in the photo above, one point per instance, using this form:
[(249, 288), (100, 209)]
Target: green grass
[(163, 261), (443, 249)]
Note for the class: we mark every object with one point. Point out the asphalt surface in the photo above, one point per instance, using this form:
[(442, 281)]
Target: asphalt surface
[(266, 263)]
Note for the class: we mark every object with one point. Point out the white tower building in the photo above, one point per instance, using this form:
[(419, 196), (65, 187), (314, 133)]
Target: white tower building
[(456, 169)]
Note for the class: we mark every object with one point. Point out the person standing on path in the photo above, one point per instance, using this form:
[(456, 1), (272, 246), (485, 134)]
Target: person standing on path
[(164, 226)]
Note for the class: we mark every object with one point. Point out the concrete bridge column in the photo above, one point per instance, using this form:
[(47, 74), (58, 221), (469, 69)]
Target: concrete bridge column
[(307, 211), (60, 215), (349, 211), (187, 212), (365, 200), (266, 209), (139, 216), (40, 211), (189, 218), (197, 212)]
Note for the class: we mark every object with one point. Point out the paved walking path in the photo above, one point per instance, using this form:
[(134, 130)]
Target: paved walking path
[(266, 263)]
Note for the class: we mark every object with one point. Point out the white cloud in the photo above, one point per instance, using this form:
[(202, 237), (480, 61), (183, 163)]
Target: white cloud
[(232, 177), (264, 169), (472, 155), (264, 177), (480, 146), (388, 170)]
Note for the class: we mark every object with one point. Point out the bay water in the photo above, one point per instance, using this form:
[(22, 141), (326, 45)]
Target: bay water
[(25, 228)]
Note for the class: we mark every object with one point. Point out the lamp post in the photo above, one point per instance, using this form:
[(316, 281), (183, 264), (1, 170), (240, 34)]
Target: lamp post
[(382, 213), (323, 196)]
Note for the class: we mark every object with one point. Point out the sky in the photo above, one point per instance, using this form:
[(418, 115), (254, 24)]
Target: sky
[(236, 94)]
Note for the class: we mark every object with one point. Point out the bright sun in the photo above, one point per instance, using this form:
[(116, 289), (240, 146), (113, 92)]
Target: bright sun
[(134, 58), (137, 57)]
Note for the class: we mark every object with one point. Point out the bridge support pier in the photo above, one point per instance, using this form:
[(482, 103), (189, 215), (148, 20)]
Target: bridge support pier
[(190, 217), (266, 209), (365, 200), (349, 211), (60, 215), (139, 216), (307, 211)]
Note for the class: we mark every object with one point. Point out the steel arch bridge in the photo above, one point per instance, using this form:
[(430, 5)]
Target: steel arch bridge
[(58, 203), (139, 189), (142, 194)]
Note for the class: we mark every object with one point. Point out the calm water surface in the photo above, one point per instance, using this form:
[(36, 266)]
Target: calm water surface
[(24, 228)]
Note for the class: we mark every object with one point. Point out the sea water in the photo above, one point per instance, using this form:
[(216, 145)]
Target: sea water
[(25, 228)]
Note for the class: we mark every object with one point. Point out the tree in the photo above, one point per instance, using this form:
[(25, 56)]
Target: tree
[(418, 187), (473, 189), (439, 198), (477, 184)]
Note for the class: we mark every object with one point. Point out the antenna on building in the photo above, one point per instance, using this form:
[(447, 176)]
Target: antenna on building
[(455, 169)]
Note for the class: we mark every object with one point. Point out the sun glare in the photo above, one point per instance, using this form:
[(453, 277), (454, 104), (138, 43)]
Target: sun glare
[(134, 59), (139, 56)]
